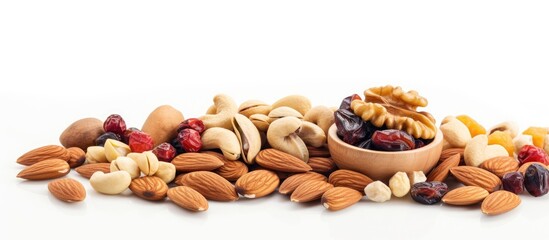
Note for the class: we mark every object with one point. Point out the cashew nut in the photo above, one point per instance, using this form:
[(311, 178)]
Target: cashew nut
[(477, 151), (126, 164), (110, 183), (312, 134), (166, 171), (321, 116), (251, 107), (300, 103), (248, 136), (522, 140), (226, 140), (282, 135), (283, 112), (147, 162), (96, 154), (225, 109), (115, 149), (510, 127), (455, 132), (260, 121)]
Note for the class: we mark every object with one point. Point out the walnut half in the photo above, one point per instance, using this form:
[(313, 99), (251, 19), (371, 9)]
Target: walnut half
[(395, 109)]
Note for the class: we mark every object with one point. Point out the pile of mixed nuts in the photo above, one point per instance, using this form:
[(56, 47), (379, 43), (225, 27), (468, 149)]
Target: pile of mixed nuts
[(254, 149)]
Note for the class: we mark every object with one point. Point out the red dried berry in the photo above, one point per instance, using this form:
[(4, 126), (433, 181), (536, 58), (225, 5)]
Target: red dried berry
[(190, 140), (140, 142), (193, 123), (127, 133), (115, 123), (164, 152), (531, 153)]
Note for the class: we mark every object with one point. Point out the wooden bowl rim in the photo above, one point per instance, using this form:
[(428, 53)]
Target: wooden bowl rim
[(333, 135)]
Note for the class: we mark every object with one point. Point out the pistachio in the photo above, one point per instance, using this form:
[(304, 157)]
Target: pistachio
[(221, 138), (96, 154), (248, 136), (312, 134), (147, 162), (166, 171), (126, 164), (282, 135), (115, 149), (282, 112), (251, 107), (509, 126), (261, 122)]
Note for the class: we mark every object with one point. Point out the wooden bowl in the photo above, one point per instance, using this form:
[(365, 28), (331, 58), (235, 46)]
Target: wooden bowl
[(380, 165)]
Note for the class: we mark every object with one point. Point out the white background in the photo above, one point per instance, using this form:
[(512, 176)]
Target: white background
[(64, 60)]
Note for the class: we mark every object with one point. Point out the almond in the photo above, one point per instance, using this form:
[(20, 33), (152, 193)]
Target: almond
[(47, 169), (339, 198), (500, 165), (500, 202), (440, 173), (257, 184), (88, 170), (467, 195), (280, 161), (451, 152), (322, 164), (350, 179), (190, 162), (318, 152), (525, 166), (310, 191), (231, 170), (43, 153), (188, 198), (67, 190), (77, 157), (292, 182), (149, 188), (210, 185), (474, 176)]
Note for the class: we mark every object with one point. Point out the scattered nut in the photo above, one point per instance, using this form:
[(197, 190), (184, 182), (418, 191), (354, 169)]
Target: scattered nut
[(77, 157), (455, 132), (399, 184), (522, 140), (96, 154), (82, 133), (147, 162), (248, 136), (221, 138), (126, 164), (416, 177), (282, 136), (261, 122), (477, 151), (378, 192), (115, 149), (299, 103), (312, 134), (283, 112), (225, 108), (510, 127), (166, 171), (110, 183), (251, 107), (162, 123), (321, 116)]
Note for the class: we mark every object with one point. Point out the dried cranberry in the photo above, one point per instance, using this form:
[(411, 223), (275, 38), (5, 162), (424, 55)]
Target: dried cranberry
[(350, 127), (531, 153), (428, 192), (193, 123), (513, 182), (164, 152), (127, 133), (536, 180), (190, 140), (100, 141), (115, 123), (393, 140), (140, 142), (346, 103)]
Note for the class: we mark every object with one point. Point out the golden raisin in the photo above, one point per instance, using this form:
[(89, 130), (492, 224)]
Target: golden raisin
[(538, 135), (474, 127), (504, 139)]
